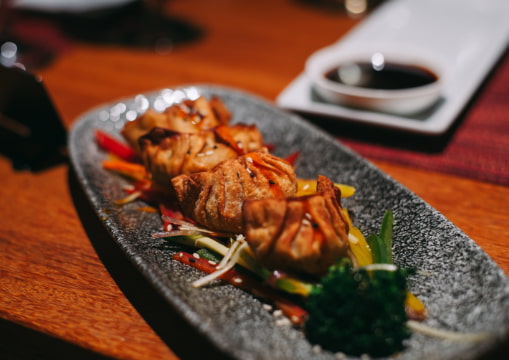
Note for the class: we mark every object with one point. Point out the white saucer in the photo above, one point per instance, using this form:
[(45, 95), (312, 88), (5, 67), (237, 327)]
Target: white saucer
[(468, 36), (401, 101)]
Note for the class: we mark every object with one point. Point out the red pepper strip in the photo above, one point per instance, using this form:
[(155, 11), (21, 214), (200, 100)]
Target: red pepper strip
[(171, 210), (114, 146), (292, 158), (295, 313)]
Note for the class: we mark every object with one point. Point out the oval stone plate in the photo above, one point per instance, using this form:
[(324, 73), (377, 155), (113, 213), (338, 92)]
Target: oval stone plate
[(462, 287)]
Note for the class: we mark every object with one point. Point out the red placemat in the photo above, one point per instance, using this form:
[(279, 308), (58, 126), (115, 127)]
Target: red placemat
[(477, 145)]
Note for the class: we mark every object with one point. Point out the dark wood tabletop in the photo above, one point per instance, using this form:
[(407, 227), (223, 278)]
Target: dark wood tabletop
[(60, 292)]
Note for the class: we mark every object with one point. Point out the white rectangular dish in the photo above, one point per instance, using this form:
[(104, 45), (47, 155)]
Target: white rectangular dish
[(467, 36)]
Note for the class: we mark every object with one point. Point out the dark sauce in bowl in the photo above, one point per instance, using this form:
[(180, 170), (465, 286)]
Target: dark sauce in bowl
[(392, 76)]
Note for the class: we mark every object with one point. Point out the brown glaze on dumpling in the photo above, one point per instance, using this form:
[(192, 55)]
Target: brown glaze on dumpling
[(299, 234), (215, 198)]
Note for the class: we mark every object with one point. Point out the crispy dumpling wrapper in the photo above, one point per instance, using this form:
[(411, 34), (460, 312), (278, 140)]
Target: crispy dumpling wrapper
[(299, 234), (167, 154), (214, 198)]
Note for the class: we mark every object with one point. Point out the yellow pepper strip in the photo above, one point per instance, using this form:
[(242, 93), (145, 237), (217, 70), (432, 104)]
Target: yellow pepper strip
[(358, 243), (308, 187), (126, 168), (415, 308)]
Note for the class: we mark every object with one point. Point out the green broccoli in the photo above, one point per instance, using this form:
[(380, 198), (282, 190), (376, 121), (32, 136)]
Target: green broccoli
[(358, 311)]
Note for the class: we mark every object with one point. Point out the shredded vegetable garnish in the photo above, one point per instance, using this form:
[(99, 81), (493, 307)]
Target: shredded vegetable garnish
[(379, 267), (239, 241), (129, 198), (446, 335), (231, 260), (295, 313), (181, 227), (358, 244)]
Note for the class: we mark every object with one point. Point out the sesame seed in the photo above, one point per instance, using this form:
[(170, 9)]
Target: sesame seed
[(340, 356), (283, 322), (317, 349), (306, 222), (196, 256), (267, 307), (213, 263), (237, 280), (278, 313)]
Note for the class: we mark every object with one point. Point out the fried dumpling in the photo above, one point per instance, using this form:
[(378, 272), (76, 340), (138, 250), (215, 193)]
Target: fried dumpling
[(188, 116), (299, 234), (214, 198), (166, 153)]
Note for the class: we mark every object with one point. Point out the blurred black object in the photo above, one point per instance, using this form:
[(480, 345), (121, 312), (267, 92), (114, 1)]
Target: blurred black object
[(139, 23), (32, 37), (31, 133)]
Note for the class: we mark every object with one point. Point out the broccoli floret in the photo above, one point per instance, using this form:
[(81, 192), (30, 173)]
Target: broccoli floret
[(358, 311)]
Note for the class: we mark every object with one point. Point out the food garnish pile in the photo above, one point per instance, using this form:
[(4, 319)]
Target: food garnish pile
[(247, 219)]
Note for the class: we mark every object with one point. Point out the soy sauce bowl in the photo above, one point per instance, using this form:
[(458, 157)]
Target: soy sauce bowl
[(389, 81)]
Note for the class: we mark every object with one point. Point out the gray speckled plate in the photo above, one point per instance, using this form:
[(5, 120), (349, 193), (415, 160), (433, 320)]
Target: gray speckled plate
[(462, 287)]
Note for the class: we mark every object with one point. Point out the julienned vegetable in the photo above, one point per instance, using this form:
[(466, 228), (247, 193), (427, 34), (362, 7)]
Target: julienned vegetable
[(114, 146), (253, 285), (381, 244)]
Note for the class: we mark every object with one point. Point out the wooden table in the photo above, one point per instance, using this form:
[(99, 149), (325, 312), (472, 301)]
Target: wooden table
[(58, 295)]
